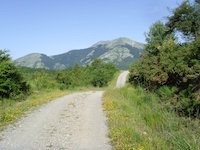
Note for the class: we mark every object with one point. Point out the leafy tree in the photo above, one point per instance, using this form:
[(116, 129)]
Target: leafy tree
[(11, 81), (102, 73), (155, 38)]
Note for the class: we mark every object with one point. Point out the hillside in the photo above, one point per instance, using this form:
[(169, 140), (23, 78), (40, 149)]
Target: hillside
[(121, 51)]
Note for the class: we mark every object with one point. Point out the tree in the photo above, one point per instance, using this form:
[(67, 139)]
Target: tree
[(186, 19), (11, 81), (101, 72), (155, 37)]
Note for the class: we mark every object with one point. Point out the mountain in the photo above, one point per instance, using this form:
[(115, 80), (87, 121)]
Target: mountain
[(121, 51)]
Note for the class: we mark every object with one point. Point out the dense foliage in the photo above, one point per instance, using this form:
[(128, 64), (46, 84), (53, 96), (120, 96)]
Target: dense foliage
[(97, 74), (40, 79), (169, 65), (11, 81)]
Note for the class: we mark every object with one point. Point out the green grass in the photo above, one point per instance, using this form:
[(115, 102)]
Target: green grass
[(137, 120), (112, 83)]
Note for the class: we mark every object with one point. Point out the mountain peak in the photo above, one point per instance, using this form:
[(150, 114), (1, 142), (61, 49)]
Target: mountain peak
[(121, 51), (34, 54), (120, 41)]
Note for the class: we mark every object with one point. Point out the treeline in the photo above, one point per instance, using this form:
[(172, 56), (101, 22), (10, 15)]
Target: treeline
[(98, 74), (170, 65), (19, 82)]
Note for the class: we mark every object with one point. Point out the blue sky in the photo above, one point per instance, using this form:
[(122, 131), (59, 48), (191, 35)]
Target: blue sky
[(56, 26)]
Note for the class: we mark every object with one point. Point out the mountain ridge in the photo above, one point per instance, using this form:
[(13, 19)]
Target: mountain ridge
[(121, 51)]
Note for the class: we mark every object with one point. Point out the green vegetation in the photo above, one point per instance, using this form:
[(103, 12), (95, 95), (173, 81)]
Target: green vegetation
[(138, 120), (98, 74), (170, 67), (40, 79)]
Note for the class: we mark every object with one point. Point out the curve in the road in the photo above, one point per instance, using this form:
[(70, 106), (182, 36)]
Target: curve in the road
[(121, 81)]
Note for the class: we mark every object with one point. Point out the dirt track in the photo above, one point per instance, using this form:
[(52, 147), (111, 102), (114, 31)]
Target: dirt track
[(73, 122), (121, 81)]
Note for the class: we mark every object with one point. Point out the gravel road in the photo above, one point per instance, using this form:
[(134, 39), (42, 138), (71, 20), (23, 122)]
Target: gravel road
[(121, 81), (75, 122)]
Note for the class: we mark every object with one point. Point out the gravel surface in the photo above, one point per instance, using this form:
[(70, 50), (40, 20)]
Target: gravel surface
[(75, 122), (121, 81)]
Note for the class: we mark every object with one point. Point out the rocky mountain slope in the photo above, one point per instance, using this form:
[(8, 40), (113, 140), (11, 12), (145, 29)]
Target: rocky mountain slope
[(121, 51)]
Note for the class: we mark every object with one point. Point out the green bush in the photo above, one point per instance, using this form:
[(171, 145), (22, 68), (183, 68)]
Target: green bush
[(11, 80)]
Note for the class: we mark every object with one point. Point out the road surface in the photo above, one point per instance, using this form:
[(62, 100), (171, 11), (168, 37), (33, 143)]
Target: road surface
[(75, 122), (121, 81)]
